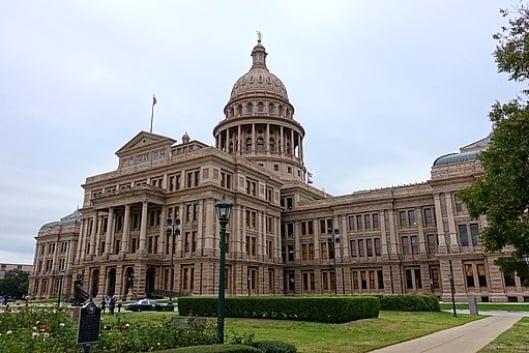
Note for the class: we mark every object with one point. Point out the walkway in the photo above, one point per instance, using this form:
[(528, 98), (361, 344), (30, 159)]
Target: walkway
[(467, 338)]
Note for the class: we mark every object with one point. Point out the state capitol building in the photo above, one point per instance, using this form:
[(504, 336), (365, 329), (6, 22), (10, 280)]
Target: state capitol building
[(284, 237)]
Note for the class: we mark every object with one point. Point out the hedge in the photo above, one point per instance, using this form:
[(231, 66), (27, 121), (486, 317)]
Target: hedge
[(409, 302), (214, 348), (274, 347), (334, 309)]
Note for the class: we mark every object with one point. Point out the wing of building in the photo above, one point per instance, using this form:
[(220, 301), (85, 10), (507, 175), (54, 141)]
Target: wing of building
[(285, 236)]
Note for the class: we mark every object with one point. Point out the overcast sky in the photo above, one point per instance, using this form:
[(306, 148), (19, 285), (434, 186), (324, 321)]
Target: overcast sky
[(382, 88)]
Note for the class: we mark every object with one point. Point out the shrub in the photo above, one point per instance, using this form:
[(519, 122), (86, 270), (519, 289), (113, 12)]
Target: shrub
[(274, 347), (50, 330), (214, 348), (410, 302), (334, 309)]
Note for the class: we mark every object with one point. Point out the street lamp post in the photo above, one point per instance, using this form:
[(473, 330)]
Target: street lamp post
[(452, 289), (172, 231), (333, 238), (61, 275), (223, 208)]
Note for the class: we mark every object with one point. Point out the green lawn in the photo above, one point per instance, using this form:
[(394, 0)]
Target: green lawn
[(515, 340), (489, 306), (308, 337)]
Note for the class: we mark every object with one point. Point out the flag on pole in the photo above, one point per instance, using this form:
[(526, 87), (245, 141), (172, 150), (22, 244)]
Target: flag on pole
[(309, 177), (154, 101)]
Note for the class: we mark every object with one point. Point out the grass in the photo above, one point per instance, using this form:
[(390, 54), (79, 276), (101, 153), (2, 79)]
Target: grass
[(513, 307), (515, 340), (308, 337)]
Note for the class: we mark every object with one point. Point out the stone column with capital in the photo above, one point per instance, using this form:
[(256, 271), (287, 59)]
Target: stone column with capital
[(143, 227)]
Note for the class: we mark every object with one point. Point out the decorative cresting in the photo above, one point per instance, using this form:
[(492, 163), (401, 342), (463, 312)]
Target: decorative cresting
[(259, 80)]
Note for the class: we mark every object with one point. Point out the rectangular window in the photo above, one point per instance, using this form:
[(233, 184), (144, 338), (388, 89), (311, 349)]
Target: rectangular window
[(359, 226), (355, 280), (414, 244), (351, 223), (411, 218), (482, 277), (380, 278), (376, 225), (463, 234), (474, 233), (429, 216), (405, 245), (402, 219), (432, 244), (378, 247), (367, 221), (352, 248), (369, 247), (469, 273), (361, 248)]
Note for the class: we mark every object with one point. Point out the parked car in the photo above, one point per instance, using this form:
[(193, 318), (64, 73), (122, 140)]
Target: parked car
[(145, 304)]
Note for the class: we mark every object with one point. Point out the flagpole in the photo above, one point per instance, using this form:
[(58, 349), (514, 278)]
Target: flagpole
[(152, 111)]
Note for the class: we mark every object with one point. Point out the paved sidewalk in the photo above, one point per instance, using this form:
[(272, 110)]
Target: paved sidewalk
[(467, 338)]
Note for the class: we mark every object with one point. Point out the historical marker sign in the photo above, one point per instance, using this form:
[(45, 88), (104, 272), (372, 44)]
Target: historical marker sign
[(89, 323)]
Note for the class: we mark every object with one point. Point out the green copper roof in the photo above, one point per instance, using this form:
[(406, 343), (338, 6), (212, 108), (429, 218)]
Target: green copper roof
[(454, 158)]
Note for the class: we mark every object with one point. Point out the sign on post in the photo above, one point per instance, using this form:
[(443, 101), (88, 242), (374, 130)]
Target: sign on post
[(89, 324)]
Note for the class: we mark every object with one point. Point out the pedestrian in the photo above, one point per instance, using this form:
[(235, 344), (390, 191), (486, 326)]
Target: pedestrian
[(112, 304), (107, 301)]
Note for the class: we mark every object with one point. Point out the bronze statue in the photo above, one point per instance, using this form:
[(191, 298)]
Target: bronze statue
[(79, 294)]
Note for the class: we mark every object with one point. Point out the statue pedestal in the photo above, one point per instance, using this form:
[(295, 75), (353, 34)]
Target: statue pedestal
[(130, 295)]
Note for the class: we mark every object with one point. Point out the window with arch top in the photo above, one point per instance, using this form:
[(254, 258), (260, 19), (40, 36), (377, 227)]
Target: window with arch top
[(249, 108), (248, 144), (260, 107)]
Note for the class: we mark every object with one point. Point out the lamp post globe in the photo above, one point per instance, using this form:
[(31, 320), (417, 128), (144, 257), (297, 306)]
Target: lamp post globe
[(223, 208)]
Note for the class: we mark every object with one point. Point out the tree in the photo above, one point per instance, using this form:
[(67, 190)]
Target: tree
[(15, 283), (501, 193)]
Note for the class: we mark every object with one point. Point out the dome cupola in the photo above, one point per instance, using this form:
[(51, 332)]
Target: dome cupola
[(259, 80)]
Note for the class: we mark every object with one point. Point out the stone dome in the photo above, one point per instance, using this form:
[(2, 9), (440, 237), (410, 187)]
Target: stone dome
[(258, 80)]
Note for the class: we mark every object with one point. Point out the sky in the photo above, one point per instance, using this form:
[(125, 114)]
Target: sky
[(382, 88)]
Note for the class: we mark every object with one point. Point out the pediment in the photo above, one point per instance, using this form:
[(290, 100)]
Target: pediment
[(145, 140)]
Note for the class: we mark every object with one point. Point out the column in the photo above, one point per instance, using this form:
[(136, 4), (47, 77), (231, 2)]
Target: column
[(292, 142), (126, 230), (209, 234), (143, 227), (98, 234), (383, 233), (162, 234), (440, 228), (267, 138), (93, 233), (109, 231), (254, 139), (281, 141), (454, 245), (238, 142), (80, 241), (316, 228)]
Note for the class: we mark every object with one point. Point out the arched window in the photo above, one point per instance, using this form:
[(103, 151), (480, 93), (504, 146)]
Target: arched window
[(239, 110), (260, 107), (280, 110), (260, 144), (249, 108), (289, 151), (248, 144), (272, 145), (232, 112), (270, 108)]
